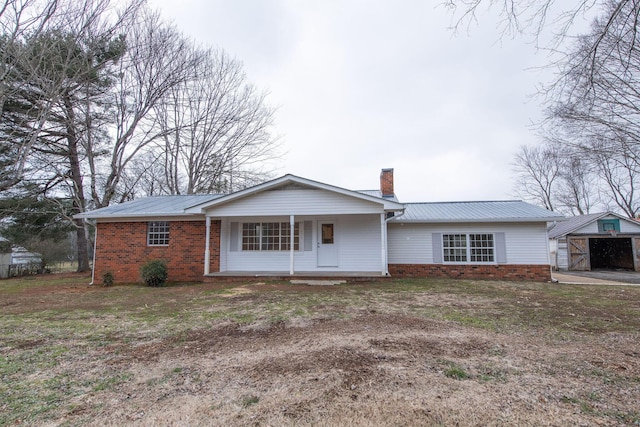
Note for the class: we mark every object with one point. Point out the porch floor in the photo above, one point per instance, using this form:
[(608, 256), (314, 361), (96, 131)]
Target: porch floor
[(284, 275)]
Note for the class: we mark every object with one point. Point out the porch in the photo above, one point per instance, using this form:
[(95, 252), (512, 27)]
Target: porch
[(347, 276)]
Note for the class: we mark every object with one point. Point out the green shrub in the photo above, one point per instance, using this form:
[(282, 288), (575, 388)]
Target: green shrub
[(154, 273), (107, 279)]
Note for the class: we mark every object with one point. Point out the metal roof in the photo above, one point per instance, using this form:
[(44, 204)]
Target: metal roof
[(576, 222), (490, 211), (151, 206), (378, 194), (389, 204)]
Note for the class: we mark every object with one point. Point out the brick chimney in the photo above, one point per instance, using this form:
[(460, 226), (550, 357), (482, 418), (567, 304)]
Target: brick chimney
[(386, 182)]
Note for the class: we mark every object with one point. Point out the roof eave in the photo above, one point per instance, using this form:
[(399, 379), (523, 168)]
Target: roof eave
[(87, 215), (475, 220)]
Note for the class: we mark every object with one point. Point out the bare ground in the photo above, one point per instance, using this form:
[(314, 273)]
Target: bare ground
[(355, 355)]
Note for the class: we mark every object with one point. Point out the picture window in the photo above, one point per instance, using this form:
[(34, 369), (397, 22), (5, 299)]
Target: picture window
[(473, 248), (269, 236)]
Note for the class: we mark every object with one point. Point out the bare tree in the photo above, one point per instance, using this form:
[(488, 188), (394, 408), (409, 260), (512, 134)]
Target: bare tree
[(81, 108), (577, 192), (535, 17), (620, 177), (538, 170), (216, 129), (18, 18), (45, 70), (60, 73), (596, 105), (157, 61)]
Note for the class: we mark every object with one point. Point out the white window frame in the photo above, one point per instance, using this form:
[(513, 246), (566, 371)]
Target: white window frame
[(470, 251), (261, 241), (158, 233)]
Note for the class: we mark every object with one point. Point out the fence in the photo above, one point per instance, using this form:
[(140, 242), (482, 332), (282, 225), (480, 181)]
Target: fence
[(17, 270)]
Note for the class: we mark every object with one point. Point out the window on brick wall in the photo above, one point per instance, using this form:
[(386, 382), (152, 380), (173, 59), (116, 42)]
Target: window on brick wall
[(158, 233), (468, 248), (269, 236)]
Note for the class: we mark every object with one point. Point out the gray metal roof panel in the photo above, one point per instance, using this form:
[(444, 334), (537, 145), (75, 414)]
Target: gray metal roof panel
[(151, 206), (489, 211), (378, 194), (573, 223)]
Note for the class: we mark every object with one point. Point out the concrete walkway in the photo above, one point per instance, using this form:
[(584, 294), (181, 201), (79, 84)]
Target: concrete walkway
[(571, 279)]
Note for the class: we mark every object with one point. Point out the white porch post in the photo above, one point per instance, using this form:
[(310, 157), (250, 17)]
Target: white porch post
[(291, 245), (383, 243), (207, 249)]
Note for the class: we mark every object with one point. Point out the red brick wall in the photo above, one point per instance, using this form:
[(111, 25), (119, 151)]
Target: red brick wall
[(538, 273), (121, 248), (386, 182)]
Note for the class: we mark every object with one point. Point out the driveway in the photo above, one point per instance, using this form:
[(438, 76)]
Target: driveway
[(610, 277)]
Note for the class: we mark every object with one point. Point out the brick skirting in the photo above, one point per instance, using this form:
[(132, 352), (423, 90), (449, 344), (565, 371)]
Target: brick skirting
[(121, 249), (537, 273)]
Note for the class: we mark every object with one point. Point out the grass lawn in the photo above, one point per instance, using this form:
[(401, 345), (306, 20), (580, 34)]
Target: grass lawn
[(404, 352)]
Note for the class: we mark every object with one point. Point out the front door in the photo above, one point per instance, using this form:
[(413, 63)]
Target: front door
[(327, 246)]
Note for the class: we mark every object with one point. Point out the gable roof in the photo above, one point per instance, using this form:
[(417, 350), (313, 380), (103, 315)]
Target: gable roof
[(577, 222), (150, 206), (389, 205), (489, 211), (197, 204)]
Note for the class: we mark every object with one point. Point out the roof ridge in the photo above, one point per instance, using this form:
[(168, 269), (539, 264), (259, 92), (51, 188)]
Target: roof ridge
[(463, 202)]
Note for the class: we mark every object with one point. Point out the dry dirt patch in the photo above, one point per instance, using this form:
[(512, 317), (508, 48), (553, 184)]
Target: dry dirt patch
[(425, 353), (371, 370)]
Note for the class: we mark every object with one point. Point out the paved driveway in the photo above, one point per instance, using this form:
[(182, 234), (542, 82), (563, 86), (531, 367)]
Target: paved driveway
[(598, 276)]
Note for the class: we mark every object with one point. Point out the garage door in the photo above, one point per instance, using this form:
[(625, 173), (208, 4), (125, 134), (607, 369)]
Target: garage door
[(611, 253), (578, 253)]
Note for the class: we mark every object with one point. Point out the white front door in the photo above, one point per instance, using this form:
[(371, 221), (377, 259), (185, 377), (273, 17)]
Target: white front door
[(327, 245)]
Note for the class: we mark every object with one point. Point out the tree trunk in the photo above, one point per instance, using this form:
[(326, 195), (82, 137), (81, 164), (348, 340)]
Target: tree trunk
[(83, 246), (79, 202)]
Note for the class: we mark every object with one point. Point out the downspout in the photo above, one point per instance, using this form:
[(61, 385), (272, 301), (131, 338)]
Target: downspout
[(93, 262), (546, 233), (385, 248)]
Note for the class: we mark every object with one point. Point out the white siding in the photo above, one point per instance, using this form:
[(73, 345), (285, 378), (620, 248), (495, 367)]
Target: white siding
[(526, 243), (563, 254), (357, 236), (629, 226), (591, 228), (553, 250), (295, 202), (409, 244)]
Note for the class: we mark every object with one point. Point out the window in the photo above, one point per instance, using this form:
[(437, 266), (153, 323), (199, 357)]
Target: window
[(455, 247), (608, 225), (481, 247), (327, 234), (269, 236), (475, 248), (158, 233)]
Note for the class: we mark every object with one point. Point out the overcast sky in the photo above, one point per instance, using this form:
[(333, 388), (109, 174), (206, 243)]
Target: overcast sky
[(364, 85)]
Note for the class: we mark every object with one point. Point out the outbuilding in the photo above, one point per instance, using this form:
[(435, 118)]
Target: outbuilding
[(595, 241)]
